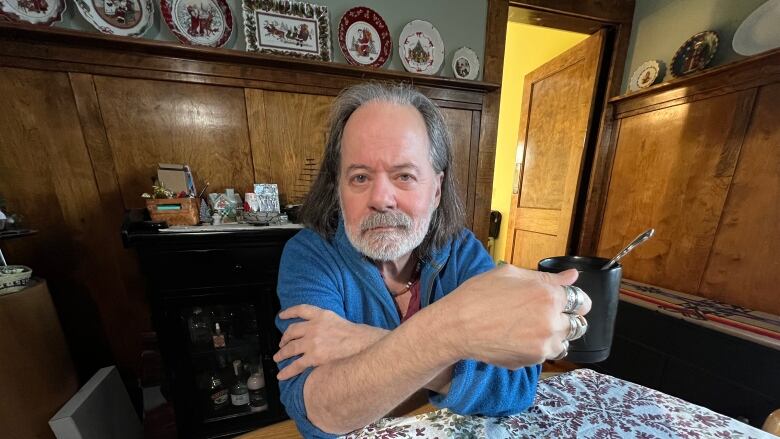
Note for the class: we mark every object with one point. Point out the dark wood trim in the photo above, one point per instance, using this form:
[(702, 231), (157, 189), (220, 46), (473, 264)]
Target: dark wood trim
[(60, 44), (554, 20), (609, 11), (495, 41)]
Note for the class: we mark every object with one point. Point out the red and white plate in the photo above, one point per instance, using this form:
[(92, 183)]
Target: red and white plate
[(128, 18), (364, 37), (421, 48), (33, 11), (199, 22)]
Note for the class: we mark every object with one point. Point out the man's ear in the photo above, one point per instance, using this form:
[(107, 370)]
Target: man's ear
[(438, 187)]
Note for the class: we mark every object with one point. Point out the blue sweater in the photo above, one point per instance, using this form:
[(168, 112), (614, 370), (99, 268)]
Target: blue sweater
[(332, 274)]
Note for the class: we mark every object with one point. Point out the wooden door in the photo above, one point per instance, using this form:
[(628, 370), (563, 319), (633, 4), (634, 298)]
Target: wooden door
[(556, 113)]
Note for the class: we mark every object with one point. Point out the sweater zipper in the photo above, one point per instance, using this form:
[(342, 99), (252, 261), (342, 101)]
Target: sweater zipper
[(429, 287)]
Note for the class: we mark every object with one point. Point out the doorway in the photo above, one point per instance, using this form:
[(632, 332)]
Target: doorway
[(547, 130)]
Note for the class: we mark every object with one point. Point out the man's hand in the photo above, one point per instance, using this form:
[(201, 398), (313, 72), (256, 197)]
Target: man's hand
[(509, 317), (323, 337)]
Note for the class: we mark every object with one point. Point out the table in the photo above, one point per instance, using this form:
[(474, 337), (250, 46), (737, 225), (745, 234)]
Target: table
[(581, 403)]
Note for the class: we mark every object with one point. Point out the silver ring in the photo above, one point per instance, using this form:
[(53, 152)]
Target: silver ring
[(564, 352), (574, 298), (578, 326)]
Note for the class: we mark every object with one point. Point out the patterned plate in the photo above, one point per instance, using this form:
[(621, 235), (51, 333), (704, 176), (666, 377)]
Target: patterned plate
[(646, 75), (364, 38), (33, 11), (695, 54), (199, 22), (421, 48), (129, 18), (465, 63)]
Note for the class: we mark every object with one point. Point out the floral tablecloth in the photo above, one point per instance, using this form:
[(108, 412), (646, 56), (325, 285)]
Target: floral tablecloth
[(578, 404)]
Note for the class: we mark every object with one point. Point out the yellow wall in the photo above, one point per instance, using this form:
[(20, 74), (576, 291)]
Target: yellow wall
[(527, 47)]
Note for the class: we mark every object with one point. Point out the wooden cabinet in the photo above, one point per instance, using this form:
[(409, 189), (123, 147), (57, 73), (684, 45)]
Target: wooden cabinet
[(88, 118), (698, 160)]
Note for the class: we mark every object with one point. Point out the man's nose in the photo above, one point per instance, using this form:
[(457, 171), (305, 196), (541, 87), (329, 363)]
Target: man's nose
[(382, 195)]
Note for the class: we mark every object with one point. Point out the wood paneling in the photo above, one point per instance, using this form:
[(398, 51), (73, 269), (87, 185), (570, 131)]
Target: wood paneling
[(289, 131), (744, 266), (672, 171), (459, 124), (202, 126), (46, 175)]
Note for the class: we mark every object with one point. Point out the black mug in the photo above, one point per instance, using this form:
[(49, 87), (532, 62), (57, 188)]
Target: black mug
[(603, 287)]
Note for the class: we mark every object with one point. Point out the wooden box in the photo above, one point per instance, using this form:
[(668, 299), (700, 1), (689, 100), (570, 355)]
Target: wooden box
[(175, 211)]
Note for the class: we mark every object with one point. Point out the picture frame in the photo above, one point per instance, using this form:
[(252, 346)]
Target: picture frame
[(290, 28)]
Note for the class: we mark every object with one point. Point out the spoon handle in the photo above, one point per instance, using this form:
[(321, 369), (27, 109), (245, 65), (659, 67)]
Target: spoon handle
[(644, 236)]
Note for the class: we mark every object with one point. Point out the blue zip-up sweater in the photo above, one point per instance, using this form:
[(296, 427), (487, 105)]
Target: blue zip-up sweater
[(333, 275)]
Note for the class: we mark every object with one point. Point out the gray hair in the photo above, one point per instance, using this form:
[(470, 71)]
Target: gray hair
[(320, 210)]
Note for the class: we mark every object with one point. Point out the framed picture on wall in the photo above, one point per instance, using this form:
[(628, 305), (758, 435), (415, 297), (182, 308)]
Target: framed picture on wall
[(287, 28)]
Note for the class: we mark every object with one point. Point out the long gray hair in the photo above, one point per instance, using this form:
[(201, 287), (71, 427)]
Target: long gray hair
[(320, 210)]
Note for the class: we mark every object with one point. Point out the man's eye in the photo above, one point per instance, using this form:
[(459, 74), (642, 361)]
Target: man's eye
[(359, 178), (406, 177)]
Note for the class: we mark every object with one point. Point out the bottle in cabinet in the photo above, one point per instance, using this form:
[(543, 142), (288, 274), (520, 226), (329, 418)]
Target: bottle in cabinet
[(218, 393), (239, 394), (256, 386)]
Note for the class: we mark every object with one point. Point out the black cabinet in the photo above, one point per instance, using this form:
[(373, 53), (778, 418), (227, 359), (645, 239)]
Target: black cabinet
[(201, 281)]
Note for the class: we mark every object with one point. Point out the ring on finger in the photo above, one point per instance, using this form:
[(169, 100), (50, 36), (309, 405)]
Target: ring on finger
[(577, 326), (574, 298), (564, 352)]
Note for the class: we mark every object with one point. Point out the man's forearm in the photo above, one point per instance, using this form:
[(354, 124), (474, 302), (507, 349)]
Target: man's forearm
[(350, 393)]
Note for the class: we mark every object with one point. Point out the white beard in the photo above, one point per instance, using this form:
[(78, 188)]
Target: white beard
[(389, 245)]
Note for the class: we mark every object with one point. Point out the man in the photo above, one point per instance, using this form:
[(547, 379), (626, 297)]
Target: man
[(386, 293)]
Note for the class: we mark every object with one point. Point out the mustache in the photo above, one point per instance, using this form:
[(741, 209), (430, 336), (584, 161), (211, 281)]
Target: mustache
[(386, 219)]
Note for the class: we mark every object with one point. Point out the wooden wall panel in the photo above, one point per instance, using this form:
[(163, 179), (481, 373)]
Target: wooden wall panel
[(46, 175), (289, 150), (744, 267), (672, 171), (168, 122), (459, 124)]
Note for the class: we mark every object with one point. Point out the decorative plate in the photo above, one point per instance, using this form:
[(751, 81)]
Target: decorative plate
[(364, 38), (695, 54), (759, 32), (289, 28), (646, 75), (421, 48), (128, 18), (33, 11), (465, 64), (199, 22)]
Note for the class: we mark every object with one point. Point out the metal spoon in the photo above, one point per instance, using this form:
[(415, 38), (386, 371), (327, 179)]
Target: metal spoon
[(647, 234)]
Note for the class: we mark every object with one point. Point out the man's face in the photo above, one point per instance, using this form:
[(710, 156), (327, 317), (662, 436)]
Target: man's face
[(388, 188)]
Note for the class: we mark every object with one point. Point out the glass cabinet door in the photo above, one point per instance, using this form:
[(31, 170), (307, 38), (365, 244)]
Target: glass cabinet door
[(227, 356)]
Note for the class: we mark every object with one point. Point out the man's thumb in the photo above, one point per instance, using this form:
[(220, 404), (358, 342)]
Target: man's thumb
[(567, 277)]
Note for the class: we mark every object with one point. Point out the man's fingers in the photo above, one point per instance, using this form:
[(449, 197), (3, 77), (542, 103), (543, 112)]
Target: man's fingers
[(291, 349), (293, 332), (303, 311), (292, 369)]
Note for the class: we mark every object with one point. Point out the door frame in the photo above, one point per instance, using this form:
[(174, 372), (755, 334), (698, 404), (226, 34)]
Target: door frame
[(584, 16)]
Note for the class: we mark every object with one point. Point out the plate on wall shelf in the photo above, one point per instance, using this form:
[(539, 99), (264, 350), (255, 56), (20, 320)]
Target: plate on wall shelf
[(364, 38), (45, 12), (465, 63), (695, 54), (646, 75), (127, 18), (421, 48), (759, 32), (198, 22)]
